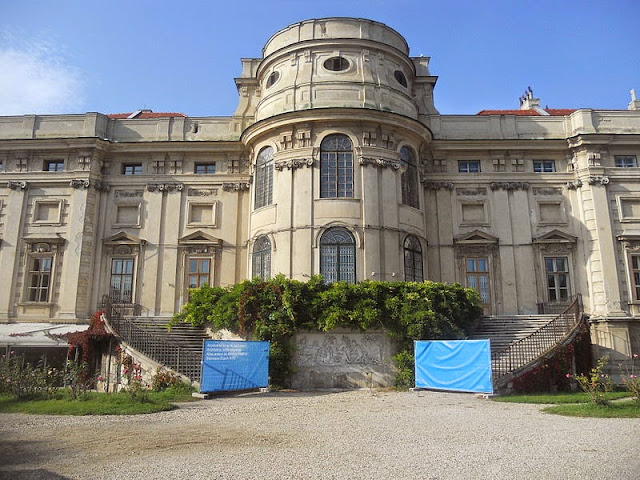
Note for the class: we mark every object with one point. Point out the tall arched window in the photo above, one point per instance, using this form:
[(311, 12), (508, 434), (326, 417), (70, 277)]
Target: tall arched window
[(409, 178), (262, 258), (336, 167), (338, 256), (264, 178), (412, 260)]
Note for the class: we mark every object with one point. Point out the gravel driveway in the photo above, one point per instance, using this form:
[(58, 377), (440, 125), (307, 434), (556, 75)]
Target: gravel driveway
[(344, 435)]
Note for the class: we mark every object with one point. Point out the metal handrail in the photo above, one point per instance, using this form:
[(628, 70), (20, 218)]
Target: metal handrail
[(182, 360), (529, 350)]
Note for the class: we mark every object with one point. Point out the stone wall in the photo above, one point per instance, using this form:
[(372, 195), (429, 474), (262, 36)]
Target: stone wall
[(342, 359)]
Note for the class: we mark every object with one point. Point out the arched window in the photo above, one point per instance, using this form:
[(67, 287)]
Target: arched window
[(338, 256), (412, 260), (409, 178), (262, 258), (336, 167), (264, 178)]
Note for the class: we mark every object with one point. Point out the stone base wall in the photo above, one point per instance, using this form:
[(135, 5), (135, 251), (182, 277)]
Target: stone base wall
[(342, 359)]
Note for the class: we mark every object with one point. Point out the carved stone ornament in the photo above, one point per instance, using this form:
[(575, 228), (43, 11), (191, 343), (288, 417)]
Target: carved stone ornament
[(17, 185), (547, 191), (574, 184), (438, 185), (235, 186), (509, 186), (199, 250), (202, 192), (293, 164), (101, 186), (379, 162), (122, 250), (602, 180), (470, 192), (164, 187), (128, 193), (79, 183)]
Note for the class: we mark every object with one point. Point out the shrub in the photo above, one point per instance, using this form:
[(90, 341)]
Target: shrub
[(631, 380), (596, 384), (275, 309), (164, 379)]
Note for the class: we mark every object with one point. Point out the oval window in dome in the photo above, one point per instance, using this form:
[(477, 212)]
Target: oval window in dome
[(336, 64), (402, 80), (273, 78)]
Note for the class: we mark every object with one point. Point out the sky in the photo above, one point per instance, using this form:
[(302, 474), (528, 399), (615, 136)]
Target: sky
[(182, 56)]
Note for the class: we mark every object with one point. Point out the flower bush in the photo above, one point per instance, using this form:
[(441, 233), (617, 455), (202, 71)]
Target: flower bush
[(595, 383), (631, 380), (24, 380)]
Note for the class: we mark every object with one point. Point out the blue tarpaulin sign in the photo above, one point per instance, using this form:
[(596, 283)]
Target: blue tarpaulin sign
[(234, 365), (459, 365)]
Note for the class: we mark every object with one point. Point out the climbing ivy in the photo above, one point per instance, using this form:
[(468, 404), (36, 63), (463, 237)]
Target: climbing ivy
[(275, 309)]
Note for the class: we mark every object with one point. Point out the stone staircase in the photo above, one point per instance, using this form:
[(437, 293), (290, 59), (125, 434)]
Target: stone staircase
[(504, 330), (178, 348)]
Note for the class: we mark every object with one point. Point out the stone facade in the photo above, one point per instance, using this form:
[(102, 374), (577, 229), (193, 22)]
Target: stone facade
[(336, 161)]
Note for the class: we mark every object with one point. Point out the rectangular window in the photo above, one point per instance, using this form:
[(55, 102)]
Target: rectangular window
[(477, 277), (40, 279), (469, 166), (557, 272), (635, 271), (626, 161), (198, 272), (205, 168), (1, 167), (132, 169), (54, 166), (544, 166), (121, 284)]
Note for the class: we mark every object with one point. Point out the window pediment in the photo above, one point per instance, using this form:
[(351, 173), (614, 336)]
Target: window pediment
[(123, 238), (476, 237), (556, 236), (199, 238)]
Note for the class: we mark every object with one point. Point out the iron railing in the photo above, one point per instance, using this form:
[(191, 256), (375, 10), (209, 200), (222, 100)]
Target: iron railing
[(182, 360), (527, 351)]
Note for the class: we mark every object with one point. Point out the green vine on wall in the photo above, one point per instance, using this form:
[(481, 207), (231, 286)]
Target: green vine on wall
[(276, 309)]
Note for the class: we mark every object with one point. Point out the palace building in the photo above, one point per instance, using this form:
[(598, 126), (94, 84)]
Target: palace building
[(335, 162)]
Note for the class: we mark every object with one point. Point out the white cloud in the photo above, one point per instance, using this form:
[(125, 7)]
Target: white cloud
[(36, 78)]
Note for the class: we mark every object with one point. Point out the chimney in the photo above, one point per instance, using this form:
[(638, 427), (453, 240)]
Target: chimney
[(634, 104), (527, 102)]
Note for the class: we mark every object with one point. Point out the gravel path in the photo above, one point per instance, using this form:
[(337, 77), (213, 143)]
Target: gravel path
[(345, 435)]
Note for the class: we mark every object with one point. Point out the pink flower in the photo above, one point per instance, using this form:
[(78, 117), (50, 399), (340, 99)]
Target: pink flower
[(635, 355), (568, 375), (99, 378)]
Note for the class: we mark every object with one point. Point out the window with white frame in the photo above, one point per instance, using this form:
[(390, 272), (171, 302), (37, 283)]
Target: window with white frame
[(338, 256), (477, 277), (635, 273), (53, 166), (336, 167), (264, 178), (121, 281), (544, 166), (198, 271), (557, 276), (261, 259), (409, 178), (625, 161), (39, 277), (469, 166), (412, 260)]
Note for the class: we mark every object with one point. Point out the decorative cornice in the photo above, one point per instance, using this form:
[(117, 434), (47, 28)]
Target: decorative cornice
[(164, 187), (509, 185), (101, 186), (379, 162), (235, 186), (17, 185), (601, 179), (438, 185), (79, 183), (202, 192), (293, 164)]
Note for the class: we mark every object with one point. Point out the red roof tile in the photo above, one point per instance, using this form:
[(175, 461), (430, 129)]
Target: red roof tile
[(147, 115), (554, 112)]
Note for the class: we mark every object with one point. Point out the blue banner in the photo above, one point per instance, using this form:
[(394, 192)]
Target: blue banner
[(234, 365), (458, 365)]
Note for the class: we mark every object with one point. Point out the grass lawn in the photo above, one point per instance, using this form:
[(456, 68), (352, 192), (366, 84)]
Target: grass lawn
[(96, 404), (556, 398), (579, 404)]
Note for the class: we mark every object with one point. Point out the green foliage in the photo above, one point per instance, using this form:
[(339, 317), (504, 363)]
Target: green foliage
[(631, 380), (164, 379), (23, 380), (596, 384), (275, 309), (556, 398), (614, 410), (405, 363)]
